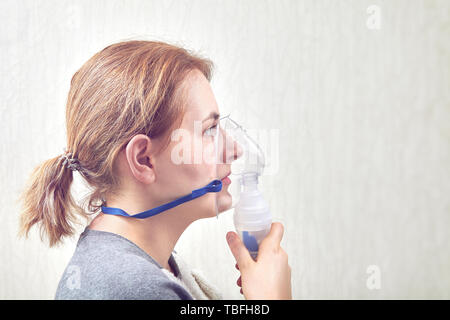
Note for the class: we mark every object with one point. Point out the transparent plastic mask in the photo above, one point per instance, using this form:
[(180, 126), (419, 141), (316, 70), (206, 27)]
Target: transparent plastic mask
[(241, 153)]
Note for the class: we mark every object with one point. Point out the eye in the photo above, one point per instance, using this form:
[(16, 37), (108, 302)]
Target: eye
[(212, 131)]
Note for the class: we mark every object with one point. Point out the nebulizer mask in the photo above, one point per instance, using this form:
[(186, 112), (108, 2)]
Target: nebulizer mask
[(227, 145), (252, 217)]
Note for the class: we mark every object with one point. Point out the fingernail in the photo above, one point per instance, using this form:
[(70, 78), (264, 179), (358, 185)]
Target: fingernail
[(230, 237)]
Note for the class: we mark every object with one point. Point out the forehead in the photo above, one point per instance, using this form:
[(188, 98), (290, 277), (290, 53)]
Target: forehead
[(199, 97)]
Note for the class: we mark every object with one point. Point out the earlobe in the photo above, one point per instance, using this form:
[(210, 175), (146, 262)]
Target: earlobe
[(148, 176)]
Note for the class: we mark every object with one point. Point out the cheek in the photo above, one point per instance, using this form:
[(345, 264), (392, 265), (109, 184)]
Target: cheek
[(181, 179), (202, 174), (203, 164)]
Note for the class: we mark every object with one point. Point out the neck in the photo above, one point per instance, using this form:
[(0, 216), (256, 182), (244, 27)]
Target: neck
[(156, 235)]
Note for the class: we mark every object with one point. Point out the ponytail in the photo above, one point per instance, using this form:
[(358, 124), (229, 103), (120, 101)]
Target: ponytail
[(46, 200)]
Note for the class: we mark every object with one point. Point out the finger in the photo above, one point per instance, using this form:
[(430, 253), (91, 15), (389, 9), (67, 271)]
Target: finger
[(238, 250), (273, 239), (276, 232)]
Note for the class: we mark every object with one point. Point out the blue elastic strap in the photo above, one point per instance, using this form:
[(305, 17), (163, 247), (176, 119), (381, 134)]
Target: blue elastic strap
[(214, 186)]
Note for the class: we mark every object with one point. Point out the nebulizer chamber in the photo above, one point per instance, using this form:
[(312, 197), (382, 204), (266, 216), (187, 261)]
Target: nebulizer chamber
[(252, 217)]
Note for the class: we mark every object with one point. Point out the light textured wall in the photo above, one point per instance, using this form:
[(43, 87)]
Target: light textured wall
[(363, 118)]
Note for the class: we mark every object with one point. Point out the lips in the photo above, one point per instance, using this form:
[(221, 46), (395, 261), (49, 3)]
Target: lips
[(226, 181), (226, 176)]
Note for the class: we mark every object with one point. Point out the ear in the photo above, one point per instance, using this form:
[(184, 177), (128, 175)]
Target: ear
[(139, 154)]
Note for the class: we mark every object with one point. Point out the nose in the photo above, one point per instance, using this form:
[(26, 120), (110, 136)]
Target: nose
[(232, 150)]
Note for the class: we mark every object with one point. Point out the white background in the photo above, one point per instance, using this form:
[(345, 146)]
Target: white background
[(363, 118)]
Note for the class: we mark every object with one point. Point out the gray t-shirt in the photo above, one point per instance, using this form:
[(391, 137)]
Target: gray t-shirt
[(106, 265)]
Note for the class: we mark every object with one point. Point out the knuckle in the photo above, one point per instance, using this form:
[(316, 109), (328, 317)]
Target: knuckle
[(275, 250)]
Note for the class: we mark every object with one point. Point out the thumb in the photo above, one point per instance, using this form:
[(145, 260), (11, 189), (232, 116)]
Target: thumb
[(239, 251)]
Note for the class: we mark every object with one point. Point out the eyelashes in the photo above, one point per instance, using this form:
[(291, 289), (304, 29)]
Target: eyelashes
[(211, 131)]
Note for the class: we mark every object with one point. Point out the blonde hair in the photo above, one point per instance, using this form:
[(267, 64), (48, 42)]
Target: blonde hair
[(128, 88)]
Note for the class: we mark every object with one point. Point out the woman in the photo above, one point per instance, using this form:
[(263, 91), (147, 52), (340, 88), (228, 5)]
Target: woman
[(123, 107)]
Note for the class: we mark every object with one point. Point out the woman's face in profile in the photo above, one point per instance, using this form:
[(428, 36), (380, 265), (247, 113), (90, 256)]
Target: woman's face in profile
[(190, 161)]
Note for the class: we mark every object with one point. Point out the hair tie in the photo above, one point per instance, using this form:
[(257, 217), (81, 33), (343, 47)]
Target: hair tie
[(73, 163)]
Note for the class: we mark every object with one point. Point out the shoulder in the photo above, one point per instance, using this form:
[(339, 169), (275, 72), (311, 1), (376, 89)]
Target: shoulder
[(116, 272), (134, 278), (139, 279)]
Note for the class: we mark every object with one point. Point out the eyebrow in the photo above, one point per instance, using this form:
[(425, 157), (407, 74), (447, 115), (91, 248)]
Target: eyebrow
[(212, 115)]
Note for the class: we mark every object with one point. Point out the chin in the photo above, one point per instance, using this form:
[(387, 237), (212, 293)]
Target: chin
[(207, 207), (224, 202)]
